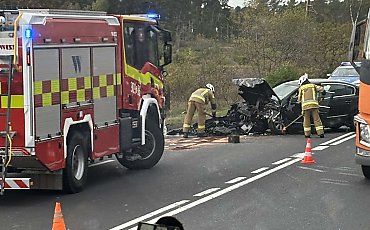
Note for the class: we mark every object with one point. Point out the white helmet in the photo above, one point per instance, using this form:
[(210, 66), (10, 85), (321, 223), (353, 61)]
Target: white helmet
[(210, 87), (302, 79)]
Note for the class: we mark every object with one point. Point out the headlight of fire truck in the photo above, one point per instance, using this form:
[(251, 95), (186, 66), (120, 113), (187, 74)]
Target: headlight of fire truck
[(364, 133)]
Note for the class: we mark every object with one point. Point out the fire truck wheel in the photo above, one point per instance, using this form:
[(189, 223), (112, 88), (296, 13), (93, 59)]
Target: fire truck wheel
[(75, 172), (148, 155)]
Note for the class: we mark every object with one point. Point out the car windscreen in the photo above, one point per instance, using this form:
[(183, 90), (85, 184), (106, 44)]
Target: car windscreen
[(284, 89), (345, 72)]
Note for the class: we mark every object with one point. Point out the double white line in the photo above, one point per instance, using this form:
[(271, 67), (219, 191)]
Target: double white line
[(340, 139)]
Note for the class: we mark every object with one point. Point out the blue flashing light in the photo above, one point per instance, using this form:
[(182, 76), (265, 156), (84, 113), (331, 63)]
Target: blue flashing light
[(28, 33), (153, 16)]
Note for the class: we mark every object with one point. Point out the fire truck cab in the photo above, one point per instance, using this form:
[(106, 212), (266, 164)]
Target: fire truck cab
[(75, 87)]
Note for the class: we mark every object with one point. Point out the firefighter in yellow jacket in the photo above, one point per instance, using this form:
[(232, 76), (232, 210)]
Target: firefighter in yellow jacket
[(198, 101), (307, 96)]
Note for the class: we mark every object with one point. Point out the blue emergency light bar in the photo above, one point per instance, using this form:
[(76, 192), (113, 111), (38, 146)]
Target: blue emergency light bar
[(28, 33), (153, 16)]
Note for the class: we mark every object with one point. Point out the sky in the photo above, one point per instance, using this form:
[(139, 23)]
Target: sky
[(235, 3)]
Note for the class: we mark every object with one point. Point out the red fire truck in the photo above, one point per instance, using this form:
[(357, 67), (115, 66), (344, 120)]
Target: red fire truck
[(75, 87)]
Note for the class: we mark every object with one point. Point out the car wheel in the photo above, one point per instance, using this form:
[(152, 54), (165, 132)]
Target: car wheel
[(148, 155), (75, 171), (352, 124), (366, 171), (276, 124)]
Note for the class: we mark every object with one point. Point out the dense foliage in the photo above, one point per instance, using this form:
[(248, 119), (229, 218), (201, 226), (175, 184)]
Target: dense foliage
[(275, 39)]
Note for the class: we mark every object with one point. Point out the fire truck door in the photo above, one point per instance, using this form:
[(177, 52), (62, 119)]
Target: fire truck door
[(104, 81), (46, 92)]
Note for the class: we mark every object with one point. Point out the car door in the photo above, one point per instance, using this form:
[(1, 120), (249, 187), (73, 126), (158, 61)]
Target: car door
[(340, 98)]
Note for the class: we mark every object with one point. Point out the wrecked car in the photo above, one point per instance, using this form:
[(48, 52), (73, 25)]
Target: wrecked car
[(337, 107), (265, 109)]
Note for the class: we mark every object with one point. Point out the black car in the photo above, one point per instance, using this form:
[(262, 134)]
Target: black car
[(337, 107), (264, 108)]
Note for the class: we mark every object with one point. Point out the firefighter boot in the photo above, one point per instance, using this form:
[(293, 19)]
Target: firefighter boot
[(185, 135)]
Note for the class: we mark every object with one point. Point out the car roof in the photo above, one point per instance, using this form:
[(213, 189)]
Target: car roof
[(320, 81)]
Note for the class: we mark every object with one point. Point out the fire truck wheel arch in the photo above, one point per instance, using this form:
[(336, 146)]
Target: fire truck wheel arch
[(145, 105), (150, 153), (75, 172), (68, 123)]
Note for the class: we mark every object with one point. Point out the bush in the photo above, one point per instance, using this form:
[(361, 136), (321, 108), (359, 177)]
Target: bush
[(282, 74)]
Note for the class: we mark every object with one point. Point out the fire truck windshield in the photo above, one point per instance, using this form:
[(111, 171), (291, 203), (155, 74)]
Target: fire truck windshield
[(141, 45)]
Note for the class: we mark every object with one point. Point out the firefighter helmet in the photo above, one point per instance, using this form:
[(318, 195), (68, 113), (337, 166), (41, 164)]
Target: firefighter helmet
[(302, 79), (210, 87)]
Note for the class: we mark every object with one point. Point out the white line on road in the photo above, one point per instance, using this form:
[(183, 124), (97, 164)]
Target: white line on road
[(206, 192), (281, 161), (343, 140), (233, 181), (320, 147), (299, 155), (312, 169), (259, 170), (350, 174), (101, 163), (223, 191), (331, 181), (149, 215), (337, 138)]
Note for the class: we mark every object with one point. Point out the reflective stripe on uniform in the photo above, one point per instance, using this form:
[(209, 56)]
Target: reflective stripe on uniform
[(201, 126), (204, 92), (199, 97), (186, 126), (306, 129), (309, 102), (319, 128)]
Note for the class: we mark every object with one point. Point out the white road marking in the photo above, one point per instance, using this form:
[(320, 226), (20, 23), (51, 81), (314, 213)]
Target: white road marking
[(350, 174), (259, 170), (337, 138), (149, 215), (223, 191), (331, 181), (233, 181), (312, 169), (299, 155), (320, 147), (206, 192), (101, 163), (281, 161), (343, 140)]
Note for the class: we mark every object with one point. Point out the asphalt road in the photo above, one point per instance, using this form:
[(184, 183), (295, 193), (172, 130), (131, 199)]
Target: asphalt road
[(257, 184)]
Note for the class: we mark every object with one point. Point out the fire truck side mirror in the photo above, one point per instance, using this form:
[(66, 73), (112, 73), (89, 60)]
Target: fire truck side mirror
[(167, 51)]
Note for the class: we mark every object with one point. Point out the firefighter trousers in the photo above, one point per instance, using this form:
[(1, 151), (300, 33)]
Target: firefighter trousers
[(307, 122), (192, 107)]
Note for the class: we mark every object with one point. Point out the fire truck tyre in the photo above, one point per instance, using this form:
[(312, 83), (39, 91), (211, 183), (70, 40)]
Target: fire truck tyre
[(366, 171), (148, 155), (75, 172)]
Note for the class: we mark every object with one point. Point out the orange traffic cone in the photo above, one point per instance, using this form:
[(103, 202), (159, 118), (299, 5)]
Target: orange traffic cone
[(308, 154), (58, 221)]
